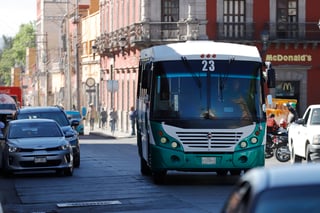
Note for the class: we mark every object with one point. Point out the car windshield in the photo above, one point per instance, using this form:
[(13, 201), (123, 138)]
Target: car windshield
[(32, 130), (59, 117), (293, 200)]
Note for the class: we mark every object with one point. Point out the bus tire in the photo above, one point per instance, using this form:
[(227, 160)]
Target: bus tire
[(235, 172), (222, 172), (159, 177), (144, 168)]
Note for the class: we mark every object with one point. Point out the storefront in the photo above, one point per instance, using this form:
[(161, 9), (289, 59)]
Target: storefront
[(297, 69)]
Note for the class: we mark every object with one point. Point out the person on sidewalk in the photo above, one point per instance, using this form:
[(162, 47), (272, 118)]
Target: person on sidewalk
[(133, 116), (92, 114), (113, 120), (103, 117)]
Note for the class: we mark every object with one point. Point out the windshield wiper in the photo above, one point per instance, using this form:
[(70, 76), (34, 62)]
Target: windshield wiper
[(194, 76)]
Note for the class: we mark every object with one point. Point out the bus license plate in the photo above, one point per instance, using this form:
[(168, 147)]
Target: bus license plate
[(208, 160), (40, 160)]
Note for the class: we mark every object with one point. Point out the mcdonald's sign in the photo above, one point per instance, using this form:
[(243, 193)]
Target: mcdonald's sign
[(287, 86)]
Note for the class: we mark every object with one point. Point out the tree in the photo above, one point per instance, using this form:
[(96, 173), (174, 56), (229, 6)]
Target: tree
[(14, 51)]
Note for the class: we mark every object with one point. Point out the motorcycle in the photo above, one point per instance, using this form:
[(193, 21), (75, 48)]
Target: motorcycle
[(277, 144)]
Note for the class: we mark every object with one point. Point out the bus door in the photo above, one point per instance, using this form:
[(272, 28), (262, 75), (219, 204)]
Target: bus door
[(144, 108)]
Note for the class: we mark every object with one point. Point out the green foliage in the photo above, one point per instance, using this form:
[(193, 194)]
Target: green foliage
[(14, 51)]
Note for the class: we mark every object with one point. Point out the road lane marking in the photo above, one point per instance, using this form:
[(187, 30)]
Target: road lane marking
[(89, 203)]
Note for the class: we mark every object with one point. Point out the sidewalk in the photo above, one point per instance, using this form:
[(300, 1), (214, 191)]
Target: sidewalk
[(107, 132)]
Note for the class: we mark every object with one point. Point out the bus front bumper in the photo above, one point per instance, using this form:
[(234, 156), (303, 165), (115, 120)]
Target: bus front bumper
[(165, 159)]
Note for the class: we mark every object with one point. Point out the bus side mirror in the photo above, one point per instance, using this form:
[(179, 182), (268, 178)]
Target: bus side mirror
[(271, 75)]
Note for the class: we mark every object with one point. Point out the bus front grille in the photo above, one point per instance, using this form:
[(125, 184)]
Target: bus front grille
[(209, 141)]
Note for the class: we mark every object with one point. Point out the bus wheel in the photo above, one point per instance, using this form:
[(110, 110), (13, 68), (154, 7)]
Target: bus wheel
[(144, 168), (159, 177), (222, 172), (236, 172)]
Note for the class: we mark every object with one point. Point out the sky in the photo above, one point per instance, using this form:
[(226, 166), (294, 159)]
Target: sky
[(13, 13)]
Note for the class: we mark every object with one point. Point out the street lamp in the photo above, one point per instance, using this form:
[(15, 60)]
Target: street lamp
[(122, 44), (319, 24), (264, 38)]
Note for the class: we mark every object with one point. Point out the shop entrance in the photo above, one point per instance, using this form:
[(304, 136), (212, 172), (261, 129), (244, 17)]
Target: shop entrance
[(288, 90)]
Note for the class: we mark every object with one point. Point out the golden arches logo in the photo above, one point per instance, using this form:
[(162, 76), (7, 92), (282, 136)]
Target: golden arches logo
[(287, 86)]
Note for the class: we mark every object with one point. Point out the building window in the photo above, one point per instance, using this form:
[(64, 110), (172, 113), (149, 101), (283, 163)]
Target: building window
[(234, 19), (287, 18), (169, 13)]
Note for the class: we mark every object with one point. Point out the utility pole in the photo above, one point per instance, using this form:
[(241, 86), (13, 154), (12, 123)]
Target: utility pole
[(68, 77), (77, 71)]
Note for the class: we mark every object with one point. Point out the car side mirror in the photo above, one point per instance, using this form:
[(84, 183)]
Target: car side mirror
[(299, 121), (75, 123)]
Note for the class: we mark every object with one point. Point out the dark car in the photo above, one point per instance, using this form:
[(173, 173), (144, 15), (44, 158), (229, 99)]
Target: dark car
[(37, 144), (57, 114), (290, 188), (75, 115)]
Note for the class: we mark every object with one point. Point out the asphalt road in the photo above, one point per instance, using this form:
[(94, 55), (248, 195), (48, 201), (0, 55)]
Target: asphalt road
[(109, 173)]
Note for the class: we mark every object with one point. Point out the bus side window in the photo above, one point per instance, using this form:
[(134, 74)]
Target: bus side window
[(146, 76)]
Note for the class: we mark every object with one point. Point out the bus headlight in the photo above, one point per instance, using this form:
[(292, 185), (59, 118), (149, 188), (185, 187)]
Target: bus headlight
[(174, 144), (163, 140), (254, 140), (243, 144)]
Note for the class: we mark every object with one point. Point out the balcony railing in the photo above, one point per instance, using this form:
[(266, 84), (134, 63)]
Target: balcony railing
[(307, 31), (147, 34)]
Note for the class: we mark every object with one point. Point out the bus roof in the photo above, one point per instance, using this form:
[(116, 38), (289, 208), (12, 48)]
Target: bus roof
[(199, 50)]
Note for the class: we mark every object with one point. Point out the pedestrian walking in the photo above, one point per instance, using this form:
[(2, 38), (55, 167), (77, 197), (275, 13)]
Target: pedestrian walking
[(92, 114), (103, 117), (133, 116), (113, 119)]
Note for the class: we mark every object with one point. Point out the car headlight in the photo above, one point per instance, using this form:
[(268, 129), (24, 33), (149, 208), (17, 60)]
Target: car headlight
[(65, 147), (12, 149), (316, 139)]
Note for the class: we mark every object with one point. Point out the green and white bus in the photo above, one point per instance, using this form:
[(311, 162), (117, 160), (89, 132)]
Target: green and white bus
[(200, 108)]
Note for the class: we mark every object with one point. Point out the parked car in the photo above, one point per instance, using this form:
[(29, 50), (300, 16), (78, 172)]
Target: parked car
[(304, 136), (75, 115), (291, 188), (56, 113), (35, 144)]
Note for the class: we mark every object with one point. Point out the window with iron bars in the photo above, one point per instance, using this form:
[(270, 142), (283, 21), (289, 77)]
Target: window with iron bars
[(169, 13), (287, 19), (234, 19)]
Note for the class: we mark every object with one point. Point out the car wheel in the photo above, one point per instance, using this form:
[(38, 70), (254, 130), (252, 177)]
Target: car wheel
[(295, 158), (68, 171), (5, 171), (76, 160), (308, 157)]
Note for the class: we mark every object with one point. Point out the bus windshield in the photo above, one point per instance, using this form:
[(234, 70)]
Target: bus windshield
[(206, 90)]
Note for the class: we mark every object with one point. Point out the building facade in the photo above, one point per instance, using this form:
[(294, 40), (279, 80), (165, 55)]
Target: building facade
[(285, 31), (126, 27), (110, 34)]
